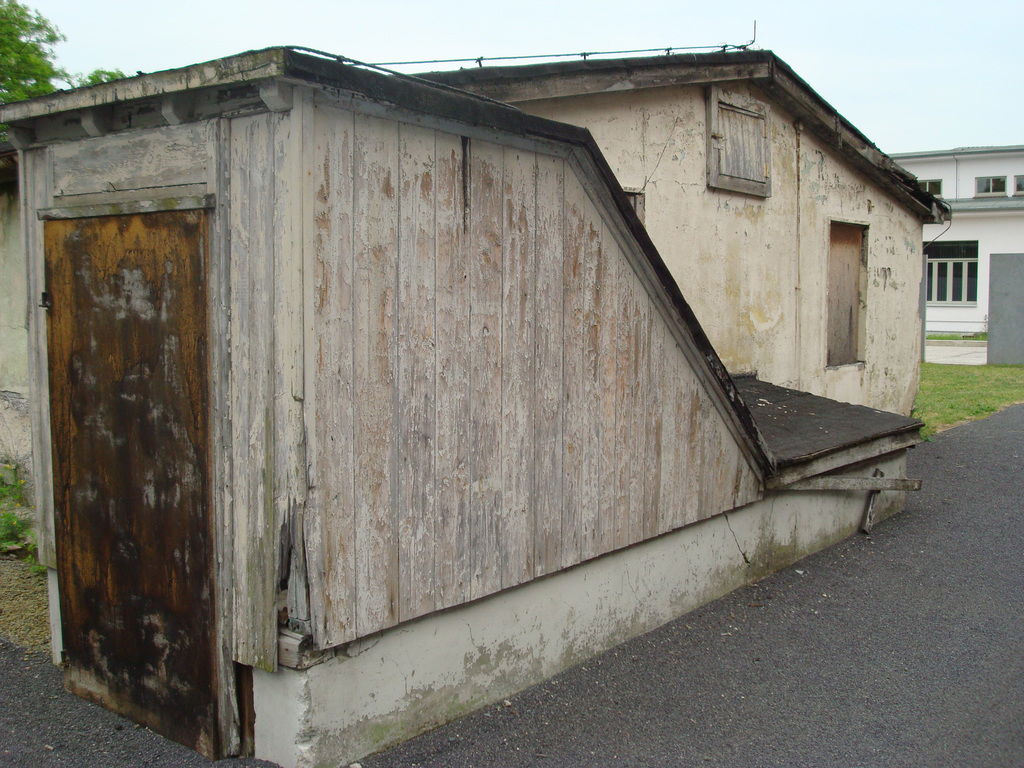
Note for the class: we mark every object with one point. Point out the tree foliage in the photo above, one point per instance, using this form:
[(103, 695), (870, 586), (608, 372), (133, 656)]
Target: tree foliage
[(28, 65), (27, 62), (96, 77)]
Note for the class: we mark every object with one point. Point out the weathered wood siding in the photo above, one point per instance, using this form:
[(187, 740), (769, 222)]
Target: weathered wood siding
[(250, 503), (494, 394)]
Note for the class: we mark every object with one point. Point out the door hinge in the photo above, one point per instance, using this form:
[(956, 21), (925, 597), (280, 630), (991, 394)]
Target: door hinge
[(46, 300)]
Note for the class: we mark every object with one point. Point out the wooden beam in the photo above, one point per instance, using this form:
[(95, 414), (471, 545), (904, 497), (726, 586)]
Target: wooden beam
[(846, 483), (837, 460), (186, 203)]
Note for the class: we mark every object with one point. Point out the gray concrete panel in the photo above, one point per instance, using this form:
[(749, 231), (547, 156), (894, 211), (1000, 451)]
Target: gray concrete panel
[(1006, 308)]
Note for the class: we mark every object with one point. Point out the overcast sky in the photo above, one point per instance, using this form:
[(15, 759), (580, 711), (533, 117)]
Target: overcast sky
[(910, 75)]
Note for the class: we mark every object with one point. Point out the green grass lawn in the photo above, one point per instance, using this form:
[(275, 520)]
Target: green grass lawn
[(953, 394), (958, 337)]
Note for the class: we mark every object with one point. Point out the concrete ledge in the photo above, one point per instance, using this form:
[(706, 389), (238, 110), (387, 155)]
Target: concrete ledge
[(955, 343), (388, 688)]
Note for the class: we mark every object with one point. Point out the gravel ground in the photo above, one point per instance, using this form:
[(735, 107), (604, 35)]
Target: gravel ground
[(903, 648), (23, 617)]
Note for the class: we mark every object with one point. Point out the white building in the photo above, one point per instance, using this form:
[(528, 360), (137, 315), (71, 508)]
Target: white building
[(985, 188)]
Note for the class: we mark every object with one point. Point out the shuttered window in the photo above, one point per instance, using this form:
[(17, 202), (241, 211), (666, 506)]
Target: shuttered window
[(739, 157), (847, 283)]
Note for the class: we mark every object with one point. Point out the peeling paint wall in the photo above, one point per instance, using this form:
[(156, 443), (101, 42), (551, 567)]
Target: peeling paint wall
[(15, 432), (490, 371), (411, 678), (754, 268)]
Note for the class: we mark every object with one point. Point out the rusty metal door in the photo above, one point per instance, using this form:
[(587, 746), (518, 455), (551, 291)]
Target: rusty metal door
[(129, 422)]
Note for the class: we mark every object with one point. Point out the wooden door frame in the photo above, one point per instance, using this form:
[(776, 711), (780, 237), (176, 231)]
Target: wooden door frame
[(33, 219), (188, 606)]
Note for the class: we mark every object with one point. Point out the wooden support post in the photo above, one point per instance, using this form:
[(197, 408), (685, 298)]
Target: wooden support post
[(869, 511), (844, 483)]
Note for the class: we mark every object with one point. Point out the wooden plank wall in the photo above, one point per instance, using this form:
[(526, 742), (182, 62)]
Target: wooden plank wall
[(493, 396), (251, 384)]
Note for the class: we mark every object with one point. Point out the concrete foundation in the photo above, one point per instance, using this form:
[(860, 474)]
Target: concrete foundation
[(381, 690)]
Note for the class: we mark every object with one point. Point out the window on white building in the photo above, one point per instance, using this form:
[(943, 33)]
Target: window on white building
[(989, 185), (931, 186), (953, 272), (1018, 185)]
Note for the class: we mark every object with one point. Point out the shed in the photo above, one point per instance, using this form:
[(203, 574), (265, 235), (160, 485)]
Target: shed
[(331, 366), (803, 234)]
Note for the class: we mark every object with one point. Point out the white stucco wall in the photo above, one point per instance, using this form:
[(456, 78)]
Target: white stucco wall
[(754, 269), (15, 434), (389, 687), (995, 231), (958, 171)]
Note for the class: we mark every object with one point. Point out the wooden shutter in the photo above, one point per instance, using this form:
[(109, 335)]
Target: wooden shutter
[(739, 157), (846, 284)]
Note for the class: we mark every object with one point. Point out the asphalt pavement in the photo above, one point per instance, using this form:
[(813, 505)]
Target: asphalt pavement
[(902, 648)]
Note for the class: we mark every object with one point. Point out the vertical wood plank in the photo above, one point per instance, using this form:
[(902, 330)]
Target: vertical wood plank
[(257, 533), (705, 443), (486, 164), (725, 480), (375, 200), (642, 334), (289, 397), (674, 467), (608, 256), (330, 514), (549, 344), (625, 394), (416, 368), (653, 434), (453, 555), (218, 307), (34, 182), (515, 526), (575, 436), (591, 395), (688, 414)]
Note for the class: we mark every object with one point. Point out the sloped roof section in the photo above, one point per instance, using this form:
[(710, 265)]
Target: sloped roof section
[(762, 68), (799, 427)]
